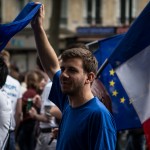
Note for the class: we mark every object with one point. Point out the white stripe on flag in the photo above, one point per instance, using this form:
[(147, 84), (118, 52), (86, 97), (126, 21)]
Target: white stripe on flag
[(134, 75)]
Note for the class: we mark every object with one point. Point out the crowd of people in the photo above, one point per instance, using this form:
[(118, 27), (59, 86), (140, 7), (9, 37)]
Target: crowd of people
[(59, 107), (27, 116)]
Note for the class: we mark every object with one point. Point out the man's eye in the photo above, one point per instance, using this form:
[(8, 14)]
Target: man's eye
[(72, 70)]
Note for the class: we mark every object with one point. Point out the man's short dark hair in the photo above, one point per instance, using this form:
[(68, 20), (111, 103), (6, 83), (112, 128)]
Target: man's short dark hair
[(3, 72), (90, 63)]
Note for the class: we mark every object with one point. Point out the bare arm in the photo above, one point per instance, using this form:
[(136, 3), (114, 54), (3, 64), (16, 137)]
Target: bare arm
[(18, 113), (40, 117), (46, 53), (54, 111)]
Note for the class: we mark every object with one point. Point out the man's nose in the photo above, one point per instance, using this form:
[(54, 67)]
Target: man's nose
[(65, 74)]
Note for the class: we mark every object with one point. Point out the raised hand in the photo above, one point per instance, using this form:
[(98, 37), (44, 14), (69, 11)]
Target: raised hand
[(37, 21)]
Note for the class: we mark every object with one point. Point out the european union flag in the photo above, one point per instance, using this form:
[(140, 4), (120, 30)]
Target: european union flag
[(123, 111), (7, 31)]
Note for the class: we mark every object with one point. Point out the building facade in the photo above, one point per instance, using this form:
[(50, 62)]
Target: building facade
[(81, 21)]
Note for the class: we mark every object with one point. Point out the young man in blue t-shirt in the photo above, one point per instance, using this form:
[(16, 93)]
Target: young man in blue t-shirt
[(86, 123)]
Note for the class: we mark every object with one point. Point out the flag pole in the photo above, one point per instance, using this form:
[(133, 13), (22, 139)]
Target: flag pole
[(92, 46), (102, 67), (91, 43)]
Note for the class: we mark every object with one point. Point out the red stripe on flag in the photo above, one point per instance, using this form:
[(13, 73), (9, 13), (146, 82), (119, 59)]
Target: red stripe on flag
[(146, 126)]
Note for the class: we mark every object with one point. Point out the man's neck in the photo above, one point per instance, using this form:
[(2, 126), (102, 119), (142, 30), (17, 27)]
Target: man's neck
[(78, 100)]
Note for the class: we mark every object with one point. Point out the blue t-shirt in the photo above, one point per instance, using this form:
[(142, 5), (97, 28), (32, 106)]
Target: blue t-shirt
[(87, 127)]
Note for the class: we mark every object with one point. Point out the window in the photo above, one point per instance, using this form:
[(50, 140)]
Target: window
[(64, 8), (126, 11), (92, 12)]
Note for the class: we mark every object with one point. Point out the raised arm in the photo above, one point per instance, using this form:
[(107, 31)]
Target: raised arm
[(46, 53)]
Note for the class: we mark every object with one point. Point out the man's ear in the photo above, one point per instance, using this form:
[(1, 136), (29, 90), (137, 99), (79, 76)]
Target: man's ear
[(90, 78)]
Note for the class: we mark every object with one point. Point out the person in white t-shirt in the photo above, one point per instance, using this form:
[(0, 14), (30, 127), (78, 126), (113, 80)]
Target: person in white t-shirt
[(5, 107), (13, 89)]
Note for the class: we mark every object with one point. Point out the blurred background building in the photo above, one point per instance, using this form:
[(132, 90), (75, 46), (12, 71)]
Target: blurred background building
[(79, 21)]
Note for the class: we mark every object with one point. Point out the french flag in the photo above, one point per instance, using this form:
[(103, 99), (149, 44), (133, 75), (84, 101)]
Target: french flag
[(124, 62)]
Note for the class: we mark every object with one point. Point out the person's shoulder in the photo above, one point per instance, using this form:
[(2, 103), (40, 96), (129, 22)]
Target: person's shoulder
[(47, 86), (12, 80), (49, 83), (57, 74), (99, 107), (97, 102)]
